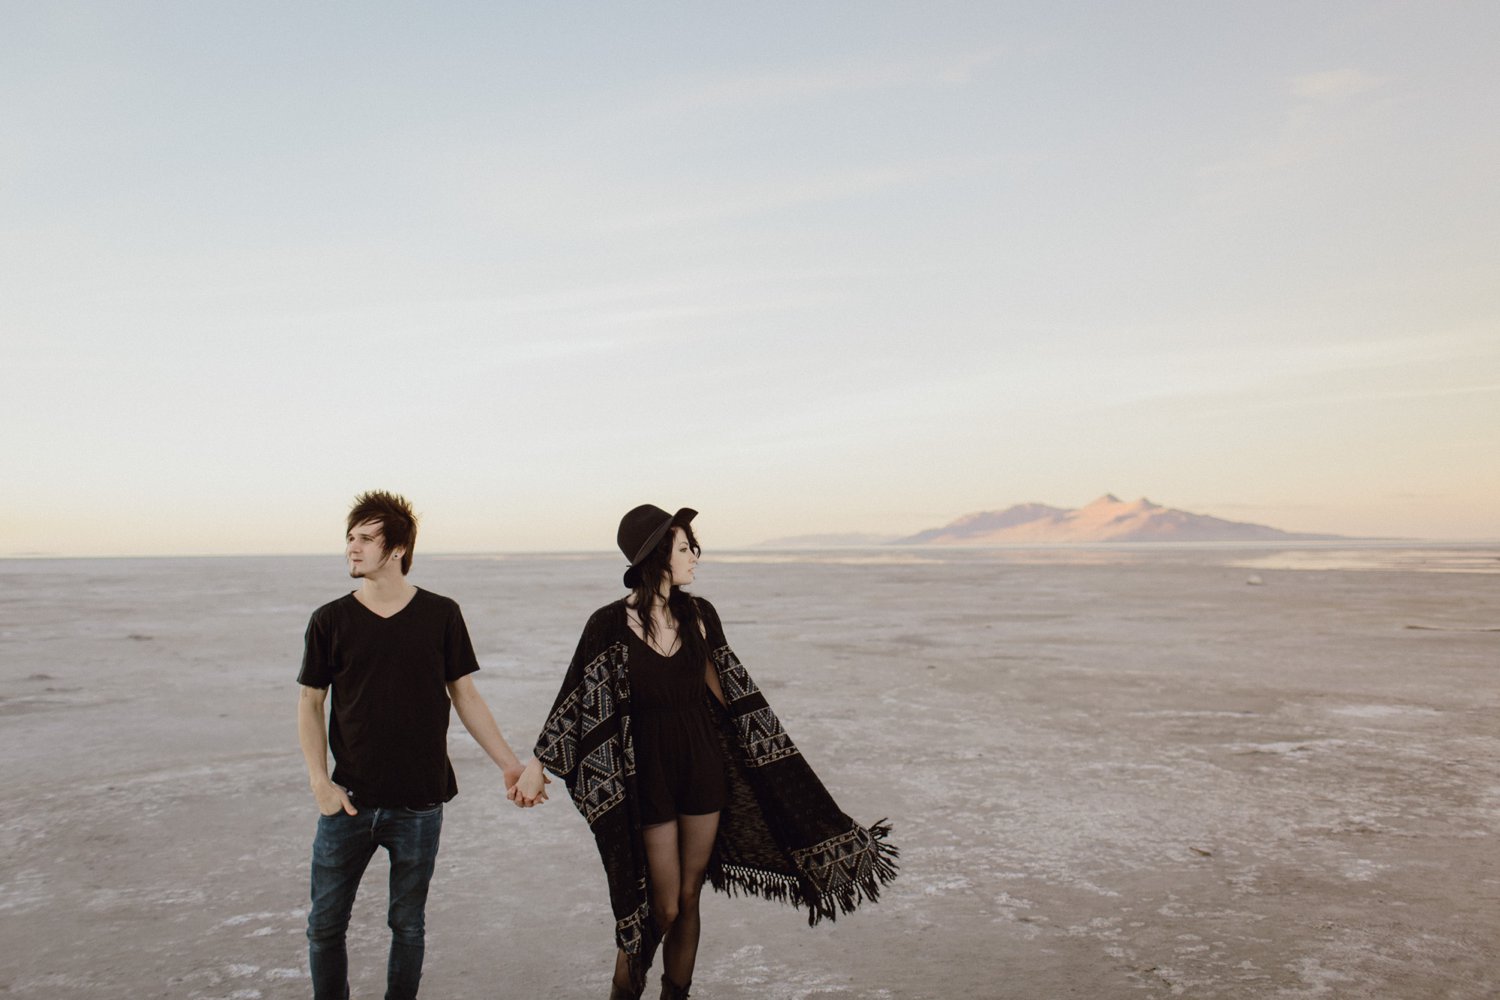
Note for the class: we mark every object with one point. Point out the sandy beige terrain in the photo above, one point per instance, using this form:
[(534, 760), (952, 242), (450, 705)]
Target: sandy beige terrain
[(1111, 774)]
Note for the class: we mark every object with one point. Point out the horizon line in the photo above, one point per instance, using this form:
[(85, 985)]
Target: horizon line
[(760, 547)]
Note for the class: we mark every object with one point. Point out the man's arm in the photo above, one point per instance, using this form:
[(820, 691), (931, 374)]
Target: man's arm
[(312, 733), (475, 714)]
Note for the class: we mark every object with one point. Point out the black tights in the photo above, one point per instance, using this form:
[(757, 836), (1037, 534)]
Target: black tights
[(677, 855)]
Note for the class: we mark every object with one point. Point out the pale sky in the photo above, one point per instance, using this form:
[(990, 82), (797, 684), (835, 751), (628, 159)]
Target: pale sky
[(855, 267)]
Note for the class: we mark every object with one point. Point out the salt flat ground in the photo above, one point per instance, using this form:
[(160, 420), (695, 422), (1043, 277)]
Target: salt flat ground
[(1112, 773)]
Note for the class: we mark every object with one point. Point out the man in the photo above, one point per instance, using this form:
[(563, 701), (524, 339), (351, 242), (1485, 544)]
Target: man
[(395, 657)]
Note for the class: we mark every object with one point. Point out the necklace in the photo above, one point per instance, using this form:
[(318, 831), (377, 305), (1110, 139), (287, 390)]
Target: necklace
[(657, 621)]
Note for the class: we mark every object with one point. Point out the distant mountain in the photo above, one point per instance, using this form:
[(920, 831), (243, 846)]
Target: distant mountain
[(838, 541), (1107, 519)]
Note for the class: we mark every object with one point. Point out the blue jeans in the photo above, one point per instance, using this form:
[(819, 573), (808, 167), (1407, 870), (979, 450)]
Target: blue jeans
[(341, 851)]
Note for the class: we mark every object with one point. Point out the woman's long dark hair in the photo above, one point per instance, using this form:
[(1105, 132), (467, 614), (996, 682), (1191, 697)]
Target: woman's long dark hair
[(652, 571)]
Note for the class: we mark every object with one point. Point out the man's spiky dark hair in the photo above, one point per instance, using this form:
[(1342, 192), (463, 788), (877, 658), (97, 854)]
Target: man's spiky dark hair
[(398, 523)]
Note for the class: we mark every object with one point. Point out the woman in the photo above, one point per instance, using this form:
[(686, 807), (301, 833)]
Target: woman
[(682, 770)]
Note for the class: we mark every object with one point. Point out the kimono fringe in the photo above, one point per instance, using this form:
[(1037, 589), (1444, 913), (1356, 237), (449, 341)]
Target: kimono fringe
[(881, 869)]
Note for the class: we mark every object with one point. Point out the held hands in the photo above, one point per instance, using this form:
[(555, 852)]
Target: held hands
[(531, 788)]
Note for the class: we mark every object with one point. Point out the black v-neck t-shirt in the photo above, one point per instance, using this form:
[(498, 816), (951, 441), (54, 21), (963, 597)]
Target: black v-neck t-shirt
[(388, 728)]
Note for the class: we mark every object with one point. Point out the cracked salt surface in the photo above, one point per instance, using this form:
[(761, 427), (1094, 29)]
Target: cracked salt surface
[(1133, 775)]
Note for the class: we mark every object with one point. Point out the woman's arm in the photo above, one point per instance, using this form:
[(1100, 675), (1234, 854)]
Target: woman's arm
[(710, 672)]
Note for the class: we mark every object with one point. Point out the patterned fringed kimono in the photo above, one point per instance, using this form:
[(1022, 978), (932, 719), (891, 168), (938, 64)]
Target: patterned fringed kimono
[(781, 836)]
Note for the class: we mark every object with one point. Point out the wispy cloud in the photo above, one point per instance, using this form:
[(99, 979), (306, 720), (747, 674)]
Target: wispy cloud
[(1333, 85), (1326, 399), (684, 209), (1245, 377), (1291, 387), (1313, 123), (791, 85)]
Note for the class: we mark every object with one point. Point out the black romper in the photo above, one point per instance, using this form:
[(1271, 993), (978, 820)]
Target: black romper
[(679, 766)]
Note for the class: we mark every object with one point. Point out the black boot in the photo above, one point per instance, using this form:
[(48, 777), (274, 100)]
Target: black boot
[(671, 991), (618, 992)]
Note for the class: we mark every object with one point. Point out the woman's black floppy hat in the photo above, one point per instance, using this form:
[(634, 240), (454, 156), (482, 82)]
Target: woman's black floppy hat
[(642, 529)]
